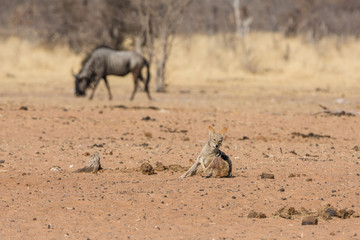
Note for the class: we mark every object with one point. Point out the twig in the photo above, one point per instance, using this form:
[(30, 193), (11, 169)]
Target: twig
[(336, 113)]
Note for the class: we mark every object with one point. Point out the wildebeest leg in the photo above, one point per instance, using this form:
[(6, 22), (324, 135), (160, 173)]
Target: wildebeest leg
[(136, 80), (108, 87), (97, 80), (147, 78), (147, 90), (141, 77), (146, 84)]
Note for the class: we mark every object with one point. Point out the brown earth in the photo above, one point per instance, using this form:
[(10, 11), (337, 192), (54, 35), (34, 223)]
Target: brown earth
[(43, 125)]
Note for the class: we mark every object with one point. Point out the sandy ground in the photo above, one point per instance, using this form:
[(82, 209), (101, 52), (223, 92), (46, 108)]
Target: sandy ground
[(44, 125), (58, 129)]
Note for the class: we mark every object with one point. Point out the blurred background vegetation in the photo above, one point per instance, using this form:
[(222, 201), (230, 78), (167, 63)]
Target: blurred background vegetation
[(85, 23), (213, 39)]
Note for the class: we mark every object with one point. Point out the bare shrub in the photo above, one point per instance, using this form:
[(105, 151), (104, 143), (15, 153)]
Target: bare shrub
[(249, 61)]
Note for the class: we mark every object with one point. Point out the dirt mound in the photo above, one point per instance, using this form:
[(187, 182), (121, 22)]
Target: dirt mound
[(146, 169), (329, 212), (326, 213)]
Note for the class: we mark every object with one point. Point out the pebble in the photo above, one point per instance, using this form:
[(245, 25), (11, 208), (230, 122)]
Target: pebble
[(146, 169), (56, 169), (254, 214), (310, 220), (267, 176)]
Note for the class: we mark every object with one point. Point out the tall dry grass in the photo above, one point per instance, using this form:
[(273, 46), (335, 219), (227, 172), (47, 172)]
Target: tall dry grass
[(208, 59), (265, 55), (25, 60)]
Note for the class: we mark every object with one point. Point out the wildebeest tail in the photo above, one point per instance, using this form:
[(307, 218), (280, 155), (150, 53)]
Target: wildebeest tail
[(147, 75), (76, 86)]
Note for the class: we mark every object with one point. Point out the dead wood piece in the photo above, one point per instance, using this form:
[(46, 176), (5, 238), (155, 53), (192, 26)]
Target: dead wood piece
[(336, 113), (309, 135), (267, 176), (93, 164)]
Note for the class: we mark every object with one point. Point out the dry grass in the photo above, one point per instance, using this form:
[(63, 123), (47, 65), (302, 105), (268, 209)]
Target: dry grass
[(198, 60), (21, 58), (210, 58)]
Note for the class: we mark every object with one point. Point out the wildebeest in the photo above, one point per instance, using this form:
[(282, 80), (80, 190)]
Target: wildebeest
[(105, 61)]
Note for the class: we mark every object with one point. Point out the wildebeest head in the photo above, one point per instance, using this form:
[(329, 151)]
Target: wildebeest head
[(81, 84)]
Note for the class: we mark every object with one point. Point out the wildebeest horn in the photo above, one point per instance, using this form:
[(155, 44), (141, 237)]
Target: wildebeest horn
[(72, 72)]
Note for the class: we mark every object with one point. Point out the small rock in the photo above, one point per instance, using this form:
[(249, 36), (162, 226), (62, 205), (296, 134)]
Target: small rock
[(148, 118), (309, 220), (261, 215), (282, 190), (243, 138), (292, 211), (159, 166), (2, 161), (293, 152), (254, 214), (146, 169), (328, 212), (267, 176), (345, 214), (24, 108), (292, 175), (56, 169), (148, 134), (186, 139), (287, 213), (144, 145)]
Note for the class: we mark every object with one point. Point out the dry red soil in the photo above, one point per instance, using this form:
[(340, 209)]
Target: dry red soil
[(43, 127)]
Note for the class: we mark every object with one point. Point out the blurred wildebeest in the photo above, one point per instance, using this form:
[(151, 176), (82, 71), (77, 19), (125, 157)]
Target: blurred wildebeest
[(105, 61)]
